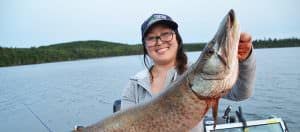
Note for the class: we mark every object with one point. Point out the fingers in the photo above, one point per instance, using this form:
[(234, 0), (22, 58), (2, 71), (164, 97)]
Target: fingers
[(245, 46), (245, 37), (244, 50), (245, 43), (243, 53)]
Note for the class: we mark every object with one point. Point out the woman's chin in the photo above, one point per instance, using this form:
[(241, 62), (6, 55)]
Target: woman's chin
[(163, 61)]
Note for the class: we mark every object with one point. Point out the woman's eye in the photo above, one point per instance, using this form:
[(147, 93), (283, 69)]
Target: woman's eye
[(151, 38), (165, 34)]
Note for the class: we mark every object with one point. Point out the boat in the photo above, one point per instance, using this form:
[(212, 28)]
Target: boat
[(238, 123)]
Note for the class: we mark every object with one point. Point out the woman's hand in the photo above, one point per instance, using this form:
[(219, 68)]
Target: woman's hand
[(245, 46)]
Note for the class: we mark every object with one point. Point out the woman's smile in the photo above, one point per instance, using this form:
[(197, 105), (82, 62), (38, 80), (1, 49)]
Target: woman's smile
[(161, 51)]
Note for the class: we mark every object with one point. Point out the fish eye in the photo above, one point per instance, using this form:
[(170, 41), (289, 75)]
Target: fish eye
[(211, 51)]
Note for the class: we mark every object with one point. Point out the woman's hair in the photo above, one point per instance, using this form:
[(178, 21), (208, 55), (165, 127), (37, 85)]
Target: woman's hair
[(181, 58)]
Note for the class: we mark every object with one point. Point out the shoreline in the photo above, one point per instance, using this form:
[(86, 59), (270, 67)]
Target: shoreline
[(81, 50), (118, 56)]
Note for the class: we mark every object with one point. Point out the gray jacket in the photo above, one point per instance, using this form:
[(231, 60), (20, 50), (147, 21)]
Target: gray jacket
[(138, 89)]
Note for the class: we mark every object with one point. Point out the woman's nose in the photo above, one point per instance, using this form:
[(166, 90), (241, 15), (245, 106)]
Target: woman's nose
[(158, 42)]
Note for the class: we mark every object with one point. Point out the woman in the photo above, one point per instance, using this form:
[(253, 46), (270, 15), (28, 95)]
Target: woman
[(162, 44)]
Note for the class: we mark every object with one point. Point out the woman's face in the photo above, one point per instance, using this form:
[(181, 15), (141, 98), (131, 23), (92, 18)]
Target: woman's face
[(161, 45)]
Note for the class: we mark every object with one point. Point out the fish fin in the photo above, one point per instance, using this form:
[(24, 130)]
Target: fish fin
[(215, 104)]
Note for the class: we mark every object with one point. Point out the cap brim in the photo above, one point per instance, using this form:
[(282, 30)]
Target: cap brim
[(169, 23)]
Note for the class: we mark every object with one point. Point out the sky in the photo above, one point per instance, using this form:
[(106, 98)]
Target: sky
[(33, 23)]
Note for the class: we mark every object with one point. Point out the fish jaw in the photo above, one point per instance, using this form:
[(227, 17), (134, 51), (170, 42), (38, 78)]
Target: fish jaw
[(215, 72)]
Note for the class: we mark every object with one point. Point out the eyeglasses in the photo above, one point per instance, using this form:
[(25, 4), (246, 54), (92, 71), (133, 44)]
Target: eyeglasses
[(164, 37)]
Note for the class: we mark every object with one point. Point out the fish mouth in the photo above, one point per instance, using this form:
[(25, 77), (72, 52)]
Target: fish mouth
[(231, 18), (227, 39), (220, 52), (225, 43)]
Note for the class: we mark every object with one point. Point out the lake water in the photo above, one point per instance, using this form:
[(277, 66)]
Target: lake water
[(82, 92)]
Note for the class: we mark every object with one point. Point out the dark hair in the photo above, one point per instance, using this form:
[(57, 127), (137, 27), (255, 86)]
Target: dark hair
[(181, 58)]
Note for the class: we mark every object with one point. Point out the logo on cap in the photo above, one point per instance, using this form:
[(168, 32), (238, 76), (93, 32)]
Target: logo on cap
[(156, 17)]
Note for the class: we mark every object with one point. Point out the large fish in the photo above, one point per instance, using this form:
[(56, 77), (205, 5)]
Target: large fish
[(183, 105)]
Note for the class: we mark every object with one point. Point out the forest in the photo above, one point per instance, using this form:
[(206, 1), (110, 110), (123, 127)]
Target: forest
[(10, 56)]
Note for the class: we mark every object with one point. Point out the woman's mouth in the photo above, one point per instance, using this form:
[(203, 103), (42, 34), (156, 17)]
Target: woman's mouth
[(162, 50)]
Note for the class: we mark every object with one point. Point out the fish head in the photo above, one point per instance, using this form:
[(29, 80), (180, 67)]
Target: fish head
[(218, 62)]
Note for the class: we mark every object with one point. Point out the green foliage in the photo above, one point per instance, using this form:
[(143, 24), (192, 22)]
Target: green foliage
[(95, 49), (64, 52), (276, 43), (193, 46)]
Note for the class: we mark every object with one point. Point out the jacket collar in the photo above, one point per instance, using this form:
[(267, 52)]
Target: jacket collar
[(143, 78)]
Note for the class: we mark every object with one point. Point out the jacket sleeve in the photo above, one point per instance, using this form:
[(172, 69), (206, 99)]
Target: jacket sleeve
[(244, 86), (128, 98)]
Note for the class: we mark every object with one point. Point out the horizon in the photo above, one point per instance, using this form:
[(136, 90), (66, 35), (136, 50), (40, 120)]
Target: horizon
[(33, 23), (264, 39)]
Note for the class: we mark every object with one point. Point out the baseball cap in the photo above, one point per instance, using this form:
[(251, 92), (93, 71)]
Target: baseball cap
[(157, 18)]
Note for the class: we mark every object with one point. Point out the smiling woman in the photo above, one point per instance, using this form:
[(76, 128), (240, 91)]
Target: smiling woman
[(165, 60), (163, 44), (162, 48)]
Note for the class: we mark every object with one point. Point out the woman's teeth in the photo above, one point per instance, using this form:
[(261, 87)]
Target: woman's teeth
[(162, 50)]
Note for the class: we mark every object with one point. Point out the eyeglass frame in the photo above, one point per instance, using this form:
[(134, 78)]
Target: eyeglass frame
[(159, 37)]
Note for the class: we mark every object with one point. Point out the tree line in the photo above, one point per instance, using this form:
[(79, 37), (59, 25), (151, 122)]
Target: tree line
[(95, 49)]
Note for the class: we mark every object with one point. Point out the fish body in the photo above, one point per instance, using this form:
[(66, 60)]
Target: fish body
[(184, 104)]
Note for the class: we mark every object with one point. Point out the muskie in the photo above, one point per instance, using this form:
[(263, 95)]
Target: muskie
[(185, 102)]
